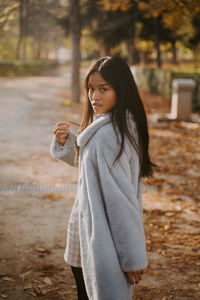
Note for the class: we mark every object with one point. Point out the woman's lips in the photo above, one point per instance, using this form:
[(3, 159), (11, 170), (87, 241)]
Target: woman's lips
[(97, 106)]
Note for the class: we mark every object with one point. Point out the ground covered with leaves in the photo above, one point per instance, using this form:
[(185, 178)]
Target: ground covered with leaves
[(34, 225)]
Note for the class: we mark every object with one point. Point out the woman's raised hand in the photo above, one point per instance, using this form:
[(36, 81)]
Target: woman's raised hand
[(135, 277), (61, 130)]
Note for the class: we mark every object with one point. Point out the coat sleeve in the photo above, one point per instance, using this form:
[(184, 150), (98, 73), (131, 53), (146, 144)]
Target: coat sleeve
[(67, 152), (122, 207)]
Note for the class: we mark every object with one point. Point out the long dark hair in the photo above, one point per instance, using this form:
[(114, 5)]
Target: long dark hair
[(117, 73)]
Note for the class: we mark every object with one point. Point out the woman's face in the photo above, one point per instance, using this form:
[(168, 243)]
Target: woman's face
[(101, 95)]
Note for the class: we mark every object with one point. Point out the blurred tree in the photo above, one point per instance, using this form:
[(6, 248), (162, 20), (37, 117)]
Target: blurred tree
[(24, 14), (114, 5), (75, 33), (7, 23), (165, 18), (114, 27), (7, 12), (32, 23), (110, 27), (154, 29), (193, 42), (169, 17), (42, 26), (195, 39)]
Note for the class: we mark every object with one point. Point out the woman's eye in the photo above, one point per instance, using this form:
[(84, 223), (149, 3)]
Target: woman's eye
[(90, 89), (102, 89)]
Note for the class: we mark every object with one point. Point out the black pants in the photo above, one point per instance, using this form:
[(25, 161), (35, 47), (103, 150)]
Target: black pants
[(80, 284)]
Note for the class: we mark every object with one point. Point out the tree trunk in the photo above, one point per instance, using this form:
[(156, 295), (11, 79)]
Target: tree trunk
[(21, 28), (174, 56), (38, 51), (25, 28), (24, 49), (157, 41), (75, 34)]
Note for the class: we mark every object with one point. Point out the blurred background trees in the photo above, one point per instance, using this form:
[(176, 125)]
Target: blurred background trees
[(145, 32), (28, 28), (142, 31)]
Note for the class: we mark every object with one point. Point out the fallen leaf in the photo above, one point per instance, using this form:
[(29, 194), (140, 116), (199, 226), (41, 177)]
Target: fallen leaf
[(169, 214), (28, 286), (47, 280), (24, 274), (155, 274), (6, 278), (51, 196), (48, 290), (39, 249), (37, 290), (42, 250), (167, 226)]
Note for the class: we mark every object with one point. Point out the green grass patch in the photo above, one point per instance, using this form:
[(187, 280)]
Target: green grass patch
[(19, 68)]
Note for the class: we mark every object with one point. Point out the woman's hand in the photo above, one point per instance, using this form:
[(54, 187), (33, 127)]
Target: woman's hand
[(61, 130), (135, 276)]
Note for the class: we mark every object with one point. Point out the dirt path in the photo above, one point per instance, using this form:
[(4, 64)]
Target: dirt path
[(33, 224)]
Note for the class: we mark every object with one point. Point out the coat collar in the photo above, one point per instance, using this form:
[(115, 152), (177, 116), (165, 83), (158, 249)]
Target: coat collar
[(99, 121)]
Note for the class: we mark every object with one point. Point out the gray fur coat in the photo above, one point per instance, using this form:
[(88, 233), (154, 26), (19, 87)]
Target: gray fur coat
[(112, 238)]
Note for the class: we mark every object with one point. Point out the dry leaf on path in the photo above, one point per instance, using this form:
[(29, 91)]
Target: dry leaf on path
[(6, 278), (28, 286), (24, 274), (47, 280)]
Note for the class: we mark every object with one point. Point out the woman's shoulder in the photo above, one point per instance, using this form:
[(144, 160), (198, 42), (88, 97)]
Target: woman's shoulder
[(105, 135), (107, 132)]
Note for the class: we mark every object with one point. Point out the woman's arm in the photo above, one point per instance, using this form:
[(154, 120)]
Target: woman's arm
[(66, 152)]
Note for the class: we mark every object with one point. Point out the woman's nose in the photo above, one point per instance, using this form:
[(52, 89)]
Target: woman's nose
[(95, 95)]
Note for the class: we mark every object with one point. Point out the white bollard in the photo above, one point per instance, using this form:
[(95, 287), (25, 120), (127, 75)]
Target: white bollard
[(181, 104)]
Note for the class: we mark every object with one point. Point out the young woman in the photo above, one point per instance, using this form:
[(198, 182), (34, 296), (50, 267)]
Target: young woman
[(106, 242)]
